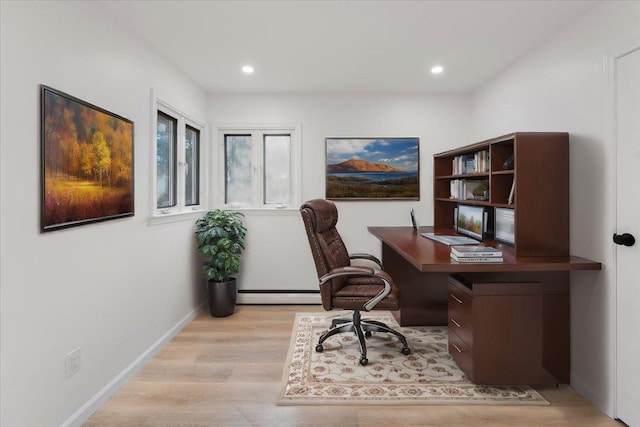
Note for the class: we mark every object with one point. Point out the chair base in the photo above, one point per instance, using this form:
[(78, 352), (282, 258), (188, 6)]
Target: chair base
[(363, 329)]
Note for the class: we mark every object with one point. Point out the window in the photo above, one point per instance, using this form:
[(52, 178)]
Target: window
[(177, 162), (166, 161), (260, 167), (239, 169), (192, 166), (277, 169)]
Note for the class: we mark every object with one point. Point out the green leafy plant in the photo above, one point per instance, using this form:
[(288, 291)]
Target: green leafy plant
[(220, 235), (479, 190)]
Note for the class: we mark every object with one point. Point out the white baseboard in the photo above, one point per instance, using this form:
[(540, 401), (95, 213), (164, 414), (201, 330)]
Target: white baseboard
[(99, 399), (278, 298), (595, 396)]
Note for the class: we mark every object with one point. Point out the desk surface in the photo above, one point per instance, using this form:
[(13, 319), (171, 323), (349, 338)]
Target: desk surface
[(430, 256)]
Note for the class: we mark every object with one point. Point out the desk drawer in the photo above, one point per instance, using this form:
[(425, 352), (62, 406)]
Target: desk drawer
[(461, 326), (460, 302), (461, 353)]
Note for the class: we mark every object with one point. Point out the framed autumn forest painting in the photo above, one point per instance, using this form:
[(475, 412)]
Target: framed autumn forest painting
[(372, 168), (86, 162)]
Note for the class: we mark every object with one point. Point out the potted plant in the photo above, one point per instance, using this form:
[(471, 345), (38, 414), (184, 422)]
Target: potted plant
[(220, 237)]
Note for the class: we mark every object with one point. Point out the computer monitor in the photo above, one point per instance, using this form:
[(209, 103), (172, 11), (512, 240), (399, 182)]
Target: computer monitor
[(473, 221)]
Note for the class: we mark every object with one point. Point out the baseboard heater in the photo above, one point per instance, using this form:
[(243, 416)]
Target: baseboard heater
[(279, 297)]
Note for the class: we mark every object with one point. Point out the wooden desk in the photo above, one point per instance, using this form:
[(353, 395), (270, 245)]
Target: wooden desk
[(517, 312), (427, 255)]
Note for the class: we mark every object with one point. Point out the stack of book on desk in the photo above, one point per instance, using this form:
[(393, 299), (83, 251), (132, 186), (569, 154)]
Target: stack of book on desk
[(476, 253)]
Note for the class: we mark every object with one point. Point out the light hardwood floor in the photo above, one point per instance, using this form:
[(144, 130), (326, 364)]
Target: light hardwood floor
[(227, 371)]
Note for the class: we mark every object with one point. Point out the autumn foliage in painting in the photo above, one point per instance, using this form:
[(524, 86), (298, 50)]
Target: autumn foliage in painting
[(88, 164)]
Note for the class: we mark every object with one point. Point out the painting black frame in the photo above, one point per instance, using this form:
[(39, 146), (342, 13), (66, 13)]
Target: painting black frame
[(110, 206), (364, 191)]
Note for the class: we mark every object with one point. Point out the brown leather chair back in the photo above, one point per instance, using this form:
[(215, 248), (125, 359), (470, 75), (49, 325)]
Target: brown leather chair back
[(320, 218)]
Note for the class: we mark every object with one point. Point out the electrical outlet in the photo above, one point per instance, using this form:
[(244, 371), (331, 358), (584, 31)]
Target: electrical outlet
[(72, 363)]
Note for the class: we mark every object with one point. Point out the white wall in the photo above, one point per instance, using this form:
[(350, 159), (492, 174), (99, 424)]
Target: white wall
[(112, 288), (277, 254), (560, 87)]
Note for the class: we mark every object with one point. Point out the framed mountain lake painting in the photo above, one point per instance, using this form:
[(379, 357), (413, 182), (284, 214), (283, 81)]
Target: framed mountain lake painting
[(372, 168), (86, 162)]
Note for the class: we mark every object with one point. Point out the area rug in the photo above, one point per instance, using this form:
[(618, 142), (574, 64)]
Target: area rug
[(429, 375)]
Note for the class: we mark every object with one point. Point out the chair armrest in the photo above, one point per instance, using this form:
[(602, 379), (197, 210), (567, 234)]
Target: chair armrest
[(369, 257), (362, 271), (352, 270)]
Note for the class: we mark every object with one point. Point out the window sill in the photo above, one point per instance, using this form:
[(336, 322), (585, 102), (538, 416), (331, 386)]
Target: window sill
[(176, 216), (252, 211)]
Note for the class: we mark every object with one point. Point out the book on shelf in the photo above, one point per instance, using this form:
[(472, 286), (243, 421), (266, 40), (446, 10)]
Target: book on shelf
[(511, 193), (469, 164), (455, 188), (482, 161), (475, 251), (476, 259), (463, 164), (477, 162)]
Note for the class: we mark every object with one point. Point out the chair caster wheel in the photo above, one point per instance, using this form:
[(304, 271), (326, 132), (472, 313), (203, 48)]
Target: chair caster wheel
[(367, 334), (319, 348), (364, 361), (405, 350)]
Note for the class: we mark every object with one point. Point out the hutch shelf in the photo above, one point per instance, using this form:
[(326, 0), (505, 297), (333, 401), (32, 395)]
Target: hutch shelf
[(525, 171)]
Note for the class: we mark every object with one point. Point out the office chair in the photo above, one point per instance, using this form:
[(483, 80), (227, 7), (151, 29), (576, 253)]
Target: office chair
[(346, 286)]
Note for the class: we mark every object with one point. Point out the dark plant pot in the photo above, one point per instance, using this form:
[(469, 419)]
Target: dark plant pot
[(222, 297)]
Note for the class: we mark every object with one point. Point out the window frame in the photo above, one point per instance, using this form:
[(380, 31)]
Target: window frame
[(180, 211), (197, 160), (172, 188), (257, 132)]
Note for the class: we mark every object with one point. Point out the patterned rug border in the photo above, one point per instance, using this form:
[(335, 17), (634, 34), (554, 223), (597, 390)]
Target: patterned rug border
[(534, 397)]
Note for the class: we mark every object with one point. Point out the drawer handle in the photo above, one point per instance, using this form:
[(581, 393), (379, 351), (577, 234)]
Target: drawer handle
[(456, 298), (456, 347), (454, 322)]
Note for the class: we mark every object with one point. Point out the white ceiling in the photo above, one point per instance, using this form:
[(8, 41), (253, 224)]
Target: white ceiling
[(344, 46)]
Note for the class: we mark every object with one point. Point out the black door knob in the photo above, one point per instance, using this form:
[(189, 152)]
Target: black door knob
[(624, 239)]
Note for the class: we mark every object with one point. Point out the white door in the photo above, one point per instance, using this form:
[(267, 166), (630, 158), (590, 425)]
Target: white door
[(627, 128)]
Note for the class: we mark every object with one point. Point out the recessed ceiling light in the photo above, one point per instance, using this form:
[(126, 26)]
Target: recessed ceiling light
[(437, 69), (247, 69)]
